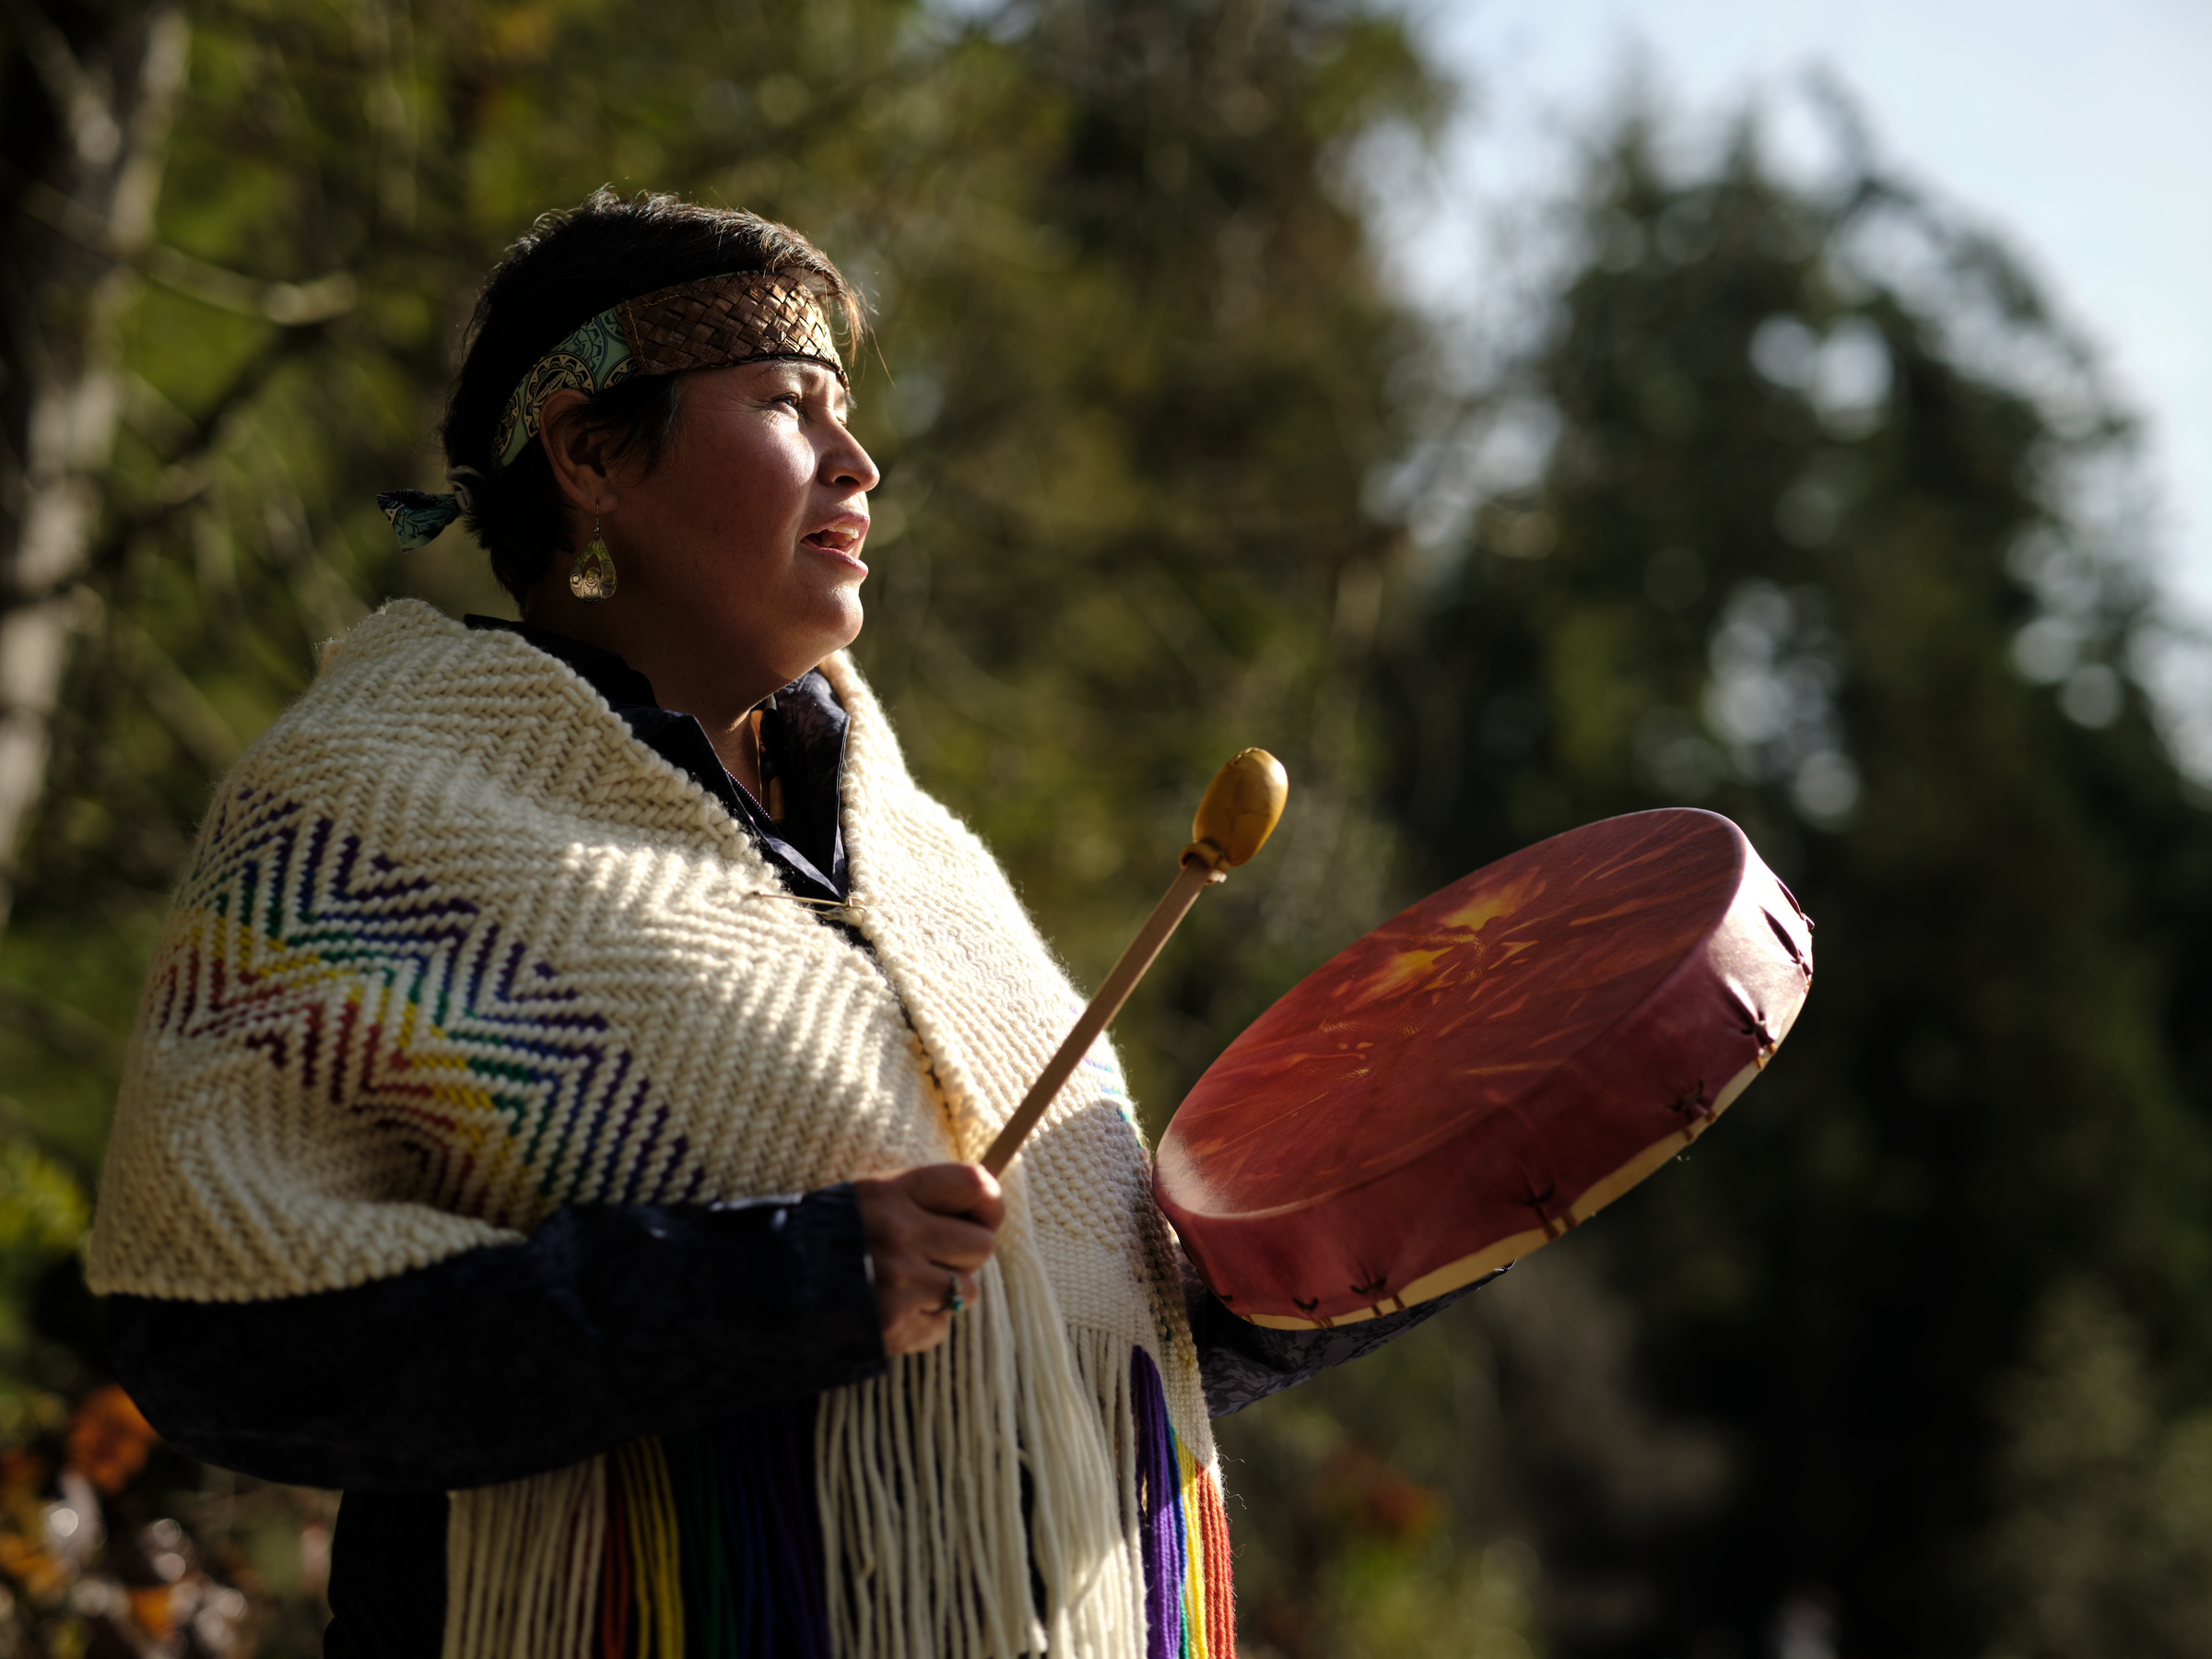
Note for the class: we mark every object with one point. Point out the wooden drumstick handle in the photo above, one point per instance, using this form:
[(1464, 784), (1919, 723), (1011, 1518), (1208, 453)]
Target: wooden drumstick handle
[(1240, 810)]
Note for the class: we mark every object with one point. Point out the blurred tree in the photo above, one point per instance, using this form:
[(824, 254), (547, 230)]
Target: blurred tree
[(85, 149), (1391, 1506), (1816, 542), (2103, 1539)]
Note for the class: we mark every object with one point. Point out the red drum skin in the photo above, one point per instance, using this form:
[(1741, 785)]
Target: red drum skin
[(1485, 1070)]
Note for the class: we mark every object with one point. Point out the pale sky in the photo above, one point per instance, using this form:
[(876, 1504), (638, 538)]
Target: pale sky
[(2081, 133)]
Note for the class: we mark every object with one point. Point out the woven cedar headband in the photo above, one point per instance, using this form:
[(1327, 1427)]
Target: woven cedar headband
[(743, 317)]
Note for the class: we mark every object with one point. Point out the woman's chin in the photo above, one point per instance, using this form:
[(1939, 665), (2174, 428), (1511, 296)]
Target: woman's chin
[(851, 614), (836, 627)]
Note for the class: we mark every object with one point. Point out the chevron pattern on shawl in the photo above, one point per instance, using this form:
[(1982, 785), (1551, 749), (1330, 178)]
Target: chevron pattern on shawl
[(405, 1006)]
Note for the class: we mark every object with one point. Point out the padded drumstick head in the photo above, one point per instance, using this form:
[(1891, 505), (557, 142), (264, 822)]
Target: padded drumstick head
[(1241, 807), (1485, 1070)]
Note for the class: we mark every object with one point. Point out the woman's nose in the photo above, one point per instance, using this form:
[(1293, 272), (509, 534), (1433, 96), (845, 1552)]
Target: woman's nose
[(849, 466)]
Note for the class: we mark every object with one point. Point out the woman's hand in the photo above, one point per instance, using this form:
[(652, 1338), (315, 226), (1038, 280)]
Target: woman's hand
[(929, 1232)]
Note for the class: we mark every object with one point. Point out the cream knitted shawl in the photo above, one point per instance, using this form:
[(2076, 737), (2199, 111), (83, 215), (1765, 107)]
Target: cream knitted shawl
[(456, 949)]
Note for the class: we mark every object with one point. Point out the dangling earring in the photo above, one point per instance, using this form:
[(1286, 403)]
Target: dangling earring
[(594, 577)]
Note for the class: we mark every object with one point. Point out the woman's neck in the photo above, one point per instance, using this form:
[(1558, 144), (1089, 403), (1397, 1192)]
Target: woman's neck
[(719, 690)]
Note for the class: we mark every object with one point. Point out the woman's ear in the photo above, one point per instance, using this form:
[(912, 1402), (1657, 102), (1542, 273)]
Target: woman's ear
[(576, 452)]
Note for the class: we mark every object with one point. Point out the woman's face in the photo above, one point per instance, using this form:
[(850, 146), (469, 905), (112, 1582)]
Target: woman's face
[(741, 550)]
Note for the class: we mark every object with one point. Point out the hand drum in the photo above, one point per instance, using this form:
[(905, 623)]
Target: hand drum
[(1487, 1069)]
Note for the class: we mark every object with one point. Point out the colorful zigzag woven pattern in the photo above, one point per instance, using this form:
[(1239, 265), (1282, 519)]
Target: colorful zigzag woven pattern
[(407, 1006)]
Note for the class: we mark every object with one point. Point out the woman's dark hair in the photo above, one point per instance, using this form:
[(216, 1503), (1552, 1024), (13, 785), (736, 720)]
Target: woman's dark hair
[(571, 265)]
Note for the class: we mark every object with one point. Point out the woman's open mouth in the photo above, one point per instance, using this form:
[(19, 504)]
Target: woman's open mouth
[(842, 541)]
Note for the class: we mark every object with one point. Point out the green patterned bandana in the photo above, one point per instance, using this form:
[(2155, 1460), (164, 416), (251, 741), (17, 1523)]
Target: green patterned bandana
[(595, 357)]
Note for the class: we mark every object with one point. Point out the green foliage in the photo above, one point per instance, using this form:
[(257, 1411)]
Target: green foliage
[(2104, 1545), (1473, 1463), (42, 1208)]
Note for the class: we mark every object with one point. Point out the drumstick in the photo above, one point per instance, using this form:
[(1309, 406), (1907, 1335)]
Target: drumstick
[(1239, 813)]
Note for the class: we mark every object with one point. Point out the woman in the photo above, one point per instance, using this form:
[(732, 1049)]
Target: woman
[(549, 1113)]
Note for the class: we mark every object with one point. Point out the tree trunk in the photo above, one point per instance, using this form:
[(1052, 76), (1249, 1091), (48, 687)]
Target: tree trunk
[(82, 231)]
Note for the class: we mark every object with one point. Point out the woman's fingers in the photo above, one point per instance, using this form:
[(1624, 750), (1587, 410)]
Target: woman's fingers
[(929, 1232), (960, 1188), (916, 1327), (896, 1227), (918, 1309)]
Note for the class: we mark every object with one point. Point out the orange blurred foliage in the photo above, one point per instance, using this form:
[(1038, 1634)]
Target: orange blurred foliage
[(1362, 1491), (110, 1439)]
